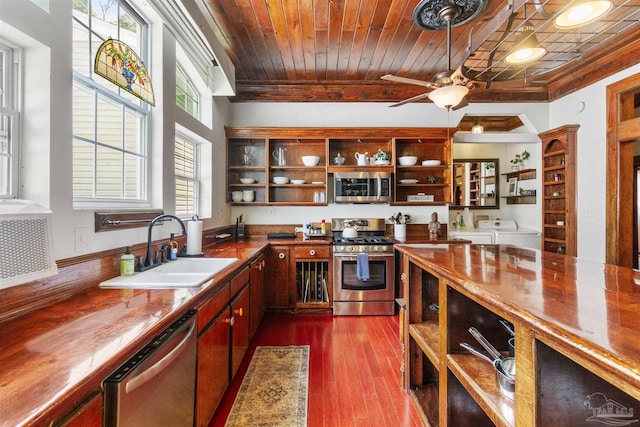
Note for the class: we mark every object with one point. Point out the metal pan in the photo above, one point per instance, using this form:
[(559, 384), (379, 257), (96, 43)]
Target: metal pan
[(493, 352), (506, 384)]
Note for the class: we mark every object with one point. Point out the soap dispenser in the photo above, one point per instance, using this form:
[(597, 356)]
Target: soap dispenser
[(173, 248), (127, 263)]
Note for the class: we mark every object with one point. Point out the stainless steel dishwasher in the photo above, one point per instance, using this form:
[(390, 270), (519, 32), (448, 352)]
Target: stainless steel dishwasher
[(156, 387)]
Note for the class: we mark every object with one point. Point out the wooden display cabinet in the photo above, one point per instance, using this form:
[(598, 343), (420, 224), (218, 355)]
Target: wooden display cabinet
[(246, 158), (314, 177), (559, 217), (348, 147), (433, 181)]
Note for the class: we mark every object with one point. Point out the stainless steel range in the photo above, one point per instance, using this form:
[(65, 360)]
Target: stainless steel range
[(363, 267)]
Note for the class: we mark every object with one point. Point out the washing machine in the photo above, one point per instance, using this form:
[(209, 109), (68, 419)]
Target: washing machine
[(507, 232), (474, 235)]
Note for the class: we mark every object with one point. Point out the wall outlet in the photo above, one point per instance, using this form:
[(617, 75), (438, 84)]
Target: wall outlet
[(81, 238)]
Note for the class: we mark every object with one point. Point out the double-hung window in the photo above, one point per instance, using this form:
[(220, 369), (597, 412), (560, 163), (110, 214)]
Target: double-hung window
[(9, 122), (110, 125), (187, 98), (187, 175)]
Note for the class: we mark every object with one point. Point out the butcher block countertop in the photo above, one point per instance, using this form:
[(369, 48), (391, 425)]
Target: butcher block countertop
[(61, 353), (588, 311)]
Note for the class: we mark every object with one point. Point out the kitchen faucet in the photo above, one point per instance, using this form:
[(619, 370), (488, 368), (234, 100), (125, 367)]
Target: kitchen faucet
[(150, 262)]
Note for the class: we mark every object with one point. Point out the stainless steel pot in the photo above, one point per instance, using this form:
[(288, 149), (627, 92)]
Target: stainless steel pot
[(505, 367), (505, 373)]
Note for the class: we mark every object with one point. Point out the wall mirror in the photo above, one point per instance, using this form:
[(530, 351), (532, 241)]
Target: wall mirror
[(475, 184)]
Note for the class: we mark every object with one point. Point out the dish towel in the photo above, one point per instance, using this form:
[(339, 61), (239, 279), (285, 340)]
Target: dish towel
[(362, 266)]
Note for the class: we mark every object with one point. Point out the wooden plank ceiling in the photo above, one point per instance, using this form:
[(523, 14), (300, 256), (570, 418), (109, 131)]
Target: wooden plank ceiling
[(337, 50)]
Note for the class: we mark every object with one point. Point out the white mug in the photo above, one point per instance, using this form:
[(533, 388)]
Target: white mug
[(248, 195)]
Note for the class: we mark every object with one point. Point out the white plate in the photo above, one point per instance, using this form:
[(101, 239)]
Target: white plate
[(318, 182), (431, 163), (298, 181), (408, 181)]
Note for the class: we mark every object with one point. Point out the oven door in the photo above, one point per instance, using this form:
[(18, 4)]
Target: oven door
[(347, 286)]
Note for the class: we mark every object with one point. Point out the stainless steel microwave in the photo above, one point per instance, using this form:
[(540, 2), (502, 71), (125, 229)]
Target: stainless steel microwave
[(362, 187)]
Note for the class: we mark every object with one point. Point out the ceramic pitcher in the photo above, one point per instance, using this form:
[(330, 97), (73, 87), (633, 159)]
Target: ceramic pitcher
[(361, 158)]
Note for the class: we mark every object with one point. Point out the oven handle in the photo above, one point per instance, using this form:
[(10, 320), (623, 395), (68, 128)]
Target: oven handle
[(379, 180), (352, 257)]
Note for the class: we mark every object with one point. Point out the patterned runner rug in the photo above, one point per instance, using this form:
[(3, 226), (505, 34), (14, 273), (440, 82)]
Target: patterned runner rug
[(274, 390)]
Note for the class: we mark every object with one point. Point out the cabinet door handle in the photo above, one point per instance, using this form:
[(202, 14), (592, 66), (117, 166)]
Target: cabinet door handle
[(230, 321), (312, 252), (281, 255), (239, 311)]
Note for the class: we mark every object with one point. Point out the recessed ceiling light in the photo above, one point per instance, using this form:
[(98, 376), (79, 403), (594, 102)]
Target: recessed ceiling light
[(582, 14)]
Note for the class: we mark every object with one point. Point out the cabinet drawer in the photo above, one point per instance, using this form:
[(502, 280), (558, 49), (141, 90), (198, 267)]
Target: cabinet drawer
[(313, 251), (239, 281), (211, 308)]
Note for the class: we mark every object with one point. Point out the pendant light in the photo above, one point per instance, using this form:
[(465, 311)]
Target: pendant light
[(527, 48), (477, 128), (583, 13)]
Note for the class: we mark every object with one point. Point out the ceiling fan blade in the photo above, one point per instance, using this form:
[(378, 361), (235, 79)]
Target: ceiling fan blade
[(406, 101), (407, 80)]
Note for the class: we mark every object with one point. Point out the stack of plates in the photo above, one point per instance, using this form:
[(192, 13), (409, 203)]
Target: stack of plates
[(408, 181), (431, 163)]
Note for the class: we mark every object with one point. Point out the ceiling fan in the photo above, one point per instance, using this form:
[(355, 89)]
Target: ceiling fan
[(449, 87)]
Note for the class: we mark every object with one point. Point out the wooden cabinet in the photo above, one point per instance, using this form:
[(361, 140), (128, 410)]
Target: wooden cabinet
[(424, 185), (279, 282), (240, 329), (521, 175), (261, 154), (256, 294), (88, 414), (559, 216), (313, 276), (271, 153), (566, 374), (214, 319)]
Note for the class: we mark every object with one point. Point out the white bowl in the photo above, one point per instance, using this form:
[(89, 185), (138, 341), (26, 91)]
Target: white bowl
[(236, 196), (248, 195), (310, 160), (298, 181), (280, 180), (431, 163), (407, 160), (247, 180)]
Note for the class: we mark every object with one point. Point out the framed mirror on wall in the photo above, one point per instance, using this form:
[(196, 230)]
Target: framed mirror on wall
[(476, 184)]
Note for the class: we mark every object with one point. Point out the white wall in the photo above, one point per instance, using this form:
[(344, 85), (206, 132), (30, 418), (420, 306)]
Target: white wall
[(592, 149)]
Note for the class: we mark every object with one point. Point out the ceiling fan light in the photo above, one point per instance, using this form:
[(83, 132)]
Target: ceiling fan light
[(477, 128), (527, 48), (582, 14), (448, 96)]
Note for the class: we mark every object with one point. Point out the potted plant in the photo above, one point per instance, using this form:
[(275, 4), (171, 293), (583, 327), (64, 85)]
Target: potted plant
[(519, 162), (381, 157)]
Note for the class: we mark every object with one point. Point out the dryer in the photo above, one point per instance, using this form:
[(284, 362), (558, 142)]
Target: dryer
[(507, 232)]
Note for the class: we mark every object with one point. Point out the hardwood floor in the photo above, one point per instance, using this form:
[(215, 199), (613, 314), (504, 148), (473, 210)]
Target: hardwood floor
[(354, 369)]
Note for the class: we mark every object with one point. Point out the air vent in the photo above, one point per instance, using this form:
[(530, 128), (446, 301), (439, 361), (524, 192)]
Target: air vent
[(26, 242)]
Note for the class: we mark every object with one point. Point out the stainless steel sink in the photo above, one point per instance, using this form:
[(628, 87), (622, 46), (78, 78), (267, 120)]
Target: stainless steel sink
[(182, 273)]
